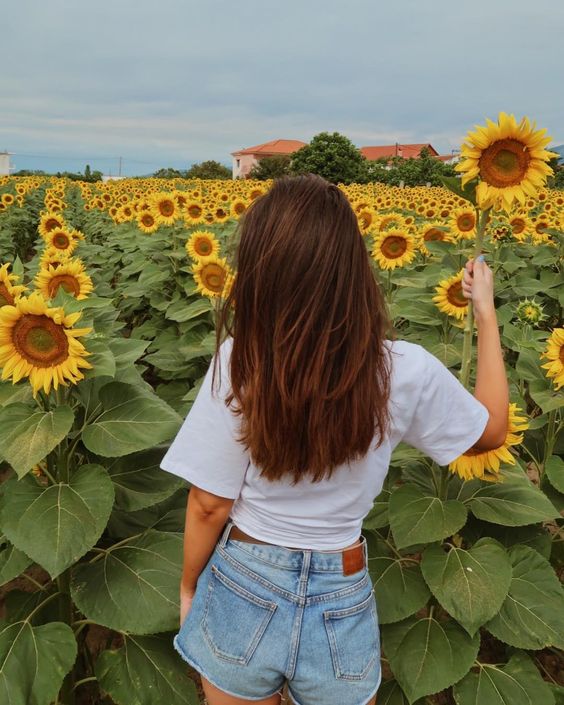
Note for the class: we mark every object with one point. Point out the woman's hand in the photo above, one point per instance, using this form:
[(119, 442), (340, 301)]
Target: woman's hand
[(477, 284), (186, 597)]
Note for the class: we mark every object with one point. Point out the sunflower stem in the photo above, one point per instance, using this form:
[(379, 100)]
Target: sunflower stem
[(550, 441), (468, 327)]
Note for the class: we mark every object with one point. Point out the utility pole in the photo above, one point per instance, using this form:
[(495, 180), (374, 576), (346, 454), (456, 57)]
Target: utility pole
[(119, 173)]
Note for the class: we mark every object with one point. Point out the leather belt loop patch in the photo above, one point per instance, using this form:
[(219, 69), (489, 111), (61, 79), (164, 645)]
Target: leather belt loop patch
[(353, 560)]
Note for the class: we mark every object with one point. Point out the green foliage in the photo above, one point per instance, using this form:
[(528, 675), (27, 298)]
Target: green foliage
[(208, 170), (396, 171), (332, 156), (271, 167)]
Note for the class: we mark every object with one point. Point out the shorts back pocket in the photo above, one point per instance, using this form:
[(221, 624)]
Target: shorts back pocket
[(234, 619), (354, 638)]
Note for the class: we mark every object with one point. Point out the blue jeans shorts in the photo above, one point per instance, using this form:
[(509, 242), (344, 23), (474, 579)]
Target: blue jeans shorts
[(264, 614)]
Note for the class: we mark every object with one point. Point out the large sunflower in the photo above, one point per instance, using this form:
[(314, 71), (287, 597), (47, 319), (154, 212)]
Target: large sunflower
[(49, 222), (463, 223), (509, 159), (449, 297), (393, 248), (52, 256), (212, 275), (555, 354), (69, 274), (202, 244), (38, 342), (485, 464), (9, 290), (62, 240)]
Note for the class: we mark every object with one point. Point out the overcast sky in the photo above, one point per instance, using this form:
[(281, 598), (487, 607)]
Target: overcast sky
[(173, 82)]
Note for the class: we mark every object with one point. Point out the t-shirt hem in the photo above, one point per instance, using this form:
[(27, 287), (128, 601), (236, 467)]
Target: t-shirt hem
[(480, 426), (176, 469)]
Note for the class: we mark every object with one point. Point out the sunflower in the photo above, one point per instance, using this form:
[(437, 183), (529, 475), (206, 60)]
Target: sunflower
[(193, 212), (38, 341), (201, 244), (220, 214), (238, 207), (509, 159), (7, 199), (391, 221), (463, 223), (555, 354), (520, 226), (449, 297), (70, 275), (164, 208), (62, 240), (212, 275), (367, 219), (9, 290), (52, 256), (431, 232), (393, 248), (485, 464), (530, 311), (147, 222), (49, 222)]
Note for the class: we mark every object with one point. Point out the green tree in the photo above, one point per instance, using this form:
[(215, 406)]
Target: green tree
[(557, 179), (87, 173), (271, 167), (209, 170), (332, 156), (169, 173)]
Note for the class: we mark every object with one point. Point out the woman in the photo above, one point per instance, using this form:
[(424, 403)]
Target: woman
[(286, 457)]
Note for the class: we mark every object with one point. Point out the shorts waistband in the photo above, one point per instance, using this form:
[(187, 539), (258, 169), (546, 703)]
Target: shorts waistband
[(347, 560)]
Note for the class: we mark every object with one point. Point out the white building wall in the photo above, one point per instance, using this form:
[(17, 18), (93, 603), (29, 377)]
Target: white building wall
[(4, 164)]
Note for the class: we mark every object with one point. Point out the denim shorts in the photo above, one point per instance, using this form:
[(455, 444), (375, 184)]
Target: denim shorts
[(264, 614)]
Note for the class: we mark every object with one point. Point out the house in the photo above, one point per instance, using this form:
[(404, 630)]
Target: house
[(245, 159), (406, 151), (5, 167)]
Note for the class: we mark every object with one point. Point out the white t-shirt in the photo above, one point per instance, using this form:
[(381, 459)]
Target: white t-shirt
[(430, 410)]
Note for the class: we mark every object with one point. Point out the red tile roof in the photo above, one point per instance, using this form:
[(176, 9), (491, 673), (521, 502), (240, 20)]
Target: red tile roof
[(406, 151), (272, 147)]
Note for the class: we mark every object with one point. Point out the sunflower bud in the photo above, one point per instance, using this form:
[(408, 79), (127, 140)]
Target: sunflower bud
[(530, 311)]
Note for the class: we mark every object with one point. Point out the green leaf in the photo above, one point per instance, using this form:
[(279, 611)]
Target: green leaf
[(516, 683), (454, 184), (27, 436), (427, 656), (127, 350), (132, 420), (512, 504), (419, 518), (134, 587), (102, 359), (398, 584), (34, 661), (390, 693), (57, 524), (12, 563), (139, 481), (532, 615), (471, 585), (545, 395), (377, 517), (554, 468), (181, 311), (144, 671)]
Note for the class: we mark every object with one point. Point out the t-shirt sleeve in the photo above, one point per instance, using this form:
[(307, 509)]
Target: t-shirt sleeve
[(447, 419), (205, 451)]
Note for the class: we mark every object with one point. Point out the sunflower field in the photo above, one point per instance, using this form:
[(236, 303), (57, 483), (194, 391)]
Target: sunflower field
[(108, 303)]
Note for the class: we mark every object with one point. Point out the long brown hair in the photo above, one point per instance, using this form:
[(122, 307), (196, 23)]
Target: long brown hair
[(308, 368)]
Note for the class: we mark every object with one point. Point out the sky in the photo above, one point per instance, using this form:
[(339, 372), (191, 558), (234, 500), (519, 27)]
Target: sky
[(176, 82)]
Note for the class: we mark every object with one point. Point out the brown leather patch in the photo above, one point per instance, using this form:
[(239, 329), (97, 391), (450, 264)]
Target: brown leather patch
[(353, 560)]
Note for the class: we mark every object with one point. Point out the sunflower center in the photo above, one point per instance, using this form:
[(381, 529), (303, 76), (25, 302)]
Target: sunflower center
[(434, 234), (466, 222), (51, 224), (61, 241), (504, 163), (518, 225), (194, 211), (40, 341), (203, 246), (67, 281), (213, 276), (455, 296), (166, 208), (239, 208), (147, 220), (6, 299), (393, 246)]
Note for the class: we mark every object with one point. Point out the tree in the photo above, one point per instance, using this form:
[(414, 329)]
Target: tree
[(426, 169), (169, 173), (271, 167), (209, 170), (332, 156)]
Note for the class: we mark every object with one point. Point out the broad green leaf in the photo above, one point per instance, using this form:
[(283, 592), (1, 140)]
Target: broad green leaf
[(57, 524), (532, 615), (398, 584), (12, 562), (377, 517), (27, 435), (419, 518), (454, 184), (545, 395), (390, 693), (132, 420), (517, 683), (182, 311), (133, 587), (127, 350), (471, 585), (146, 670), (555, 470), (512, 504), (11, 393), (139, 481), (34, 661), (427, 656)]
